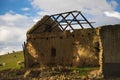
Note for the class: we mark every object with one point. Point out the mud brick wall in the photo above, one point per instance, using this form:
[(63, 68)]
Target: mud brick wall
[(63, 48), (110, 41)]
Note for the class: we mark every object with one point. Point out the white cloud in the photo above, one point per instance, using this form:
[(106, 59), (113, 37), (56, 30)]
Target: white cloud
[(42, 13), (14, 26), (11, 33), (53, 6), (95, 8), (25, 9), (13, 29), (4, 34), (35, 20), (15, 20), (10, 17), (112, 14)]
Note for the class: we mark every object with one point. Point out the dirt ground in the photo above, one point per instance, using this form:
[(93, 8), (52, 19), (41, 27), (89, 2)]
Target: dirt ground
[(53, 73), (49, 73)]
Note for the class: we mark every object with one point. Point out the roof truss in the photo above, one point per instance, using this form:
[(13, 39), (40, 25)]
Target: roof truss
[(68, 19)]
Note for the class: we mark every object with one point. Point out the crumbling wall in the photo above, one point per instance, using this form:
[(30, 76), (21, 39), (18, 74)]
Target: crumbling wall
[(45, 42), (86, 47), (110, 55), (77, 48)]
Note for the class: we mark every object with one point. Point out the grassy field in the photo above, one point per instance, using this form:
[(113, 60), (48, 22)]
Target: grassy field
[(11, 60), (15, 71)]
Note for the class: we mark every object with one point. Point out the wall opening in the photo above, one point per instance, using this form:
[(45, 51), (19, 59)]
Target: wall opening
[(34, 38), (47, 38), (61, 37), (53, 52), (73, 35)]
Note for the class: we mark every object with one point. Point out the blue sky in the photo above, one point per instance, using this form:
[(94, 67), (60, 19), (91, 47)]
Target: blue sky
[(17, 16), (117, 8), (17, 6)]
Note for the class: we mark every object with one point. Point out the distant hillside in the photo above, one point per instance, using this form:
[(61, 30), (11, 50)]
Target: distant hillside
[(11, 60)]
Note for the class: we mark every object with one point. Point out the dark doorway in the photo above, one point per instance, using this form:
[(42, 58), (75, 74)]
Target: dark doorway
[(53, 52), (53, 57)]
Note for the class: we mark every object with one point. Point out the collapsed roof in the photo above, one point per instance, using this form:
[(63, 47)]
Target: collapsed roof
[(60, 22)]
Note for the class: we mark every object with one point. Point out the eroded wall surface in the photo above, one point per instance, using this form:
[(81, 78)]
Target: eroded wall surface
[(110, 39), (63, 48)]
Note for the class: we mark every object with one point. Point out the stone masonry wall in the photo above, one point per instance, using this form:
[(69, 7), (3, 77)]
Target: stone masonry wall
[(110, 41)]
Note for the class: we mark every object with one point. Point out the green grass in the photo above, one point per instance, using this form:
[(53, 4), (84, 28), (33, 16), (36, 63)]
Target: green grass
[(84, 70), (11, 60)]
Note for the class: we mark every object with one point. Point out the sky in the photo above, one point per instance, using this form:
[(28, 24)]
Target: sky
[(17, 16)]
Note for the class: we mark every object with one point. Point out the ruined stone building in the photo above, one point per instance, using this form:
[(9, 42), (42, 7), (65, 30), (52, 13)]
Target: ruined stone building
[(69, 39)]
